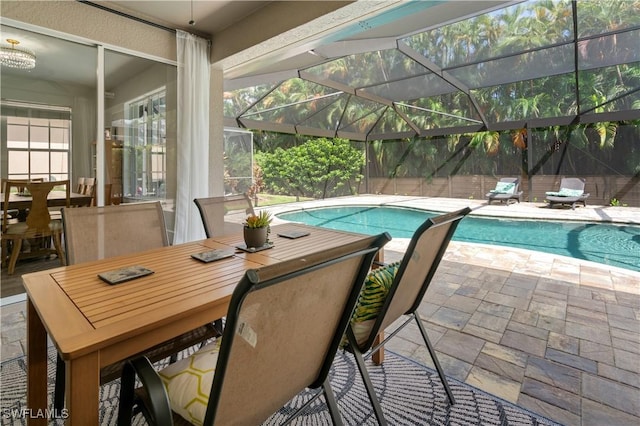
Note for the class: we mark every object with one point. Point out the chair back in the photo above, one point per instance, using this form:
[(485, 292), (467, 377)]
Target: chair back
[(89, 186), (22, 187), (80, 185), (214, 209), (416, 270), (283, 329), (38, 217), (515, 181), (572, 183), (93, 233)]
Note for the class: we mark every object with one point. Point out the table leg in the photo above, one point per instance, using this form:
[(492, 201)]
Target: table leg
[(82, 391), (36, 366), (378, 356)]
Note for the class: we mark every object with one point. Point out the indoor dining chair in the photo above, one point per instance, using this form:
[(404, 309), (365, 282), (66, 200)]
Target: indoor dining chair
[(15, 213), (214, 209), (93, 233), (38, 229), (89, 188), (284, 326), (80, 185), (394, 292)]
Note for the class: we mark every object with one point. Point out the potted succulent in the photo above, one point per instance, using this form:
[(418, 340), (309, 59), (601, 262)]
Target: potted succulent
[(256, 229)]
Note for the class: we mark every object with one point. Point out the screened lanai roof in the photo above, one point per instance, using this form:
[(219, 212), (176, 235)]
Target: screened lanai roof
[(529, 64)]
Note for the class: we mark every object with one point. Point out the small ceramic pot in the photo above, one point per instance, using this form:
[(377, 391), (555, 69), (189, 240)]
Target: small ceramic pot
[(255, 237)]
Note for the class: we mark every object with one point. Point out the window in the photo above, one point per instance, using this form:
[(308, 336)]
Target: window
[(238, 161), (145, 146), (37, 140)]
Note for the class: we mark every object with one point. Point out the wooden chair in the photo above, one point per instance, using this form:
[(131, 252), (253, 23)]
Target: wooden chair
[(38, 227), (92, 233), (107, 195), (85, 186), (24, 181), (14, 213), (408, 283), (89, 188), (214, 209), (284, 326), (80, 186)]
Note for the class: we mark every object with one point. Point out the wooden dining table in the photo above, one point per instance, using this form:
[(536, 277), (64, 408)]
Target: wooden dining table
[(93, 324), (54, 199)]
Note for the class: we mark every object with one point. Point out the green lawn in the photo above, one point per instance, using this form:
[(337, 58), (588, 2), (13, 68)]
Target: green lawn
[(270, 200)]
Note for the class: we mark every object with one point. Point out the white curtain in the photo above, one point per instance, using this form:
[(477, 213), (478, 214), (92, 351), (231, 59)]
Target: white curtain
[(193, 135)]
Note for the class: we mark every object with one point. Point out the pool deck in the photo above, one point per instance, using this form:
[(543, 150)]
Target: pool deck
[(556, 335), (590, 213)]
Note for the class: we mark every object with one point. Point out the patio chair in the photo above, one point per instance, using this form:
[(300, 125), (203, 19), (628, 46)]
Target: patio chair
[(395, 292), (38, 228), (571, 193), (506, 190), (93, 233), (284, 326), (214, 209)]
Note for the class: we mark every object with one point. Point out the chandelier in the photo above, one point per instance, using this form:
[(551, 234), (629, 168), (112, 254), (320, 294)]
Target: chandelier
[(14, 57)]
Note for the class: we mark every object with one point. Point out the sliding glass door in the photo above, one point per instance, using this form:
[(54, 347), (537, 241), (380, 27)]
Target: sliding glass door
[(140, 116), (50, 119)]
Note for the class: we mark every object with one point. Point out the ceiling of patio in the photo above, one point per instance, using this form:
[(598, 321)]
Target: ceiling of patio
[(431, 68)]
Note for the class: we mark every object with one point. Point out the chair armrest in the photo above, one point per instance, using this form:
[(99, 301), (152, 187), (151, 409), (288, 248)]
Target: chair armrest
[(157, 401)]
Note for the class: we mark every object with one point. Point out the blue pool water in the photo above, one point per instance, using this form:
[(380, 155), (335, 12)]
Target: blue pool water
[(616, 245)]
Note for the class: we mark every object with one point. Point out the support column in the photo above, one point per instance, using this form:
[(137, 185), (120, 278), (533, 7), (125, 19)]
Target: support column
[(216, 134)]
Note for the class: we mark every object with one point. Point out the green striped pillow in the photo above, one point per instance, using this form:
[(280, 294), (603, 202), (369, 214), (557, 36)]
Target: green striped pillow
[(372, 297)]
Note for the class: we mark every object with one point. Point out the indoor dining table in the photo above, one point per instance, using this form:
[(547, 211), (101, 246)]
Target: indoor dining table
[(54, 199), (93, 324)]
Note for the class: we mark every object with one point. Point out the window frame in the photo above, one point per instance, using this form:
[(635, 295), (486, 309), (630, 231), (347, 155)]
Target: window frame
[(34, 116)]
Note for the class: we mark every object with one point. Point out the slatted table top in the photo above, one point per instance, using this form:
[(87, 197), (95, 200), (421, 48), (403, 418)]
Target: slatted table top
[(82, 312)]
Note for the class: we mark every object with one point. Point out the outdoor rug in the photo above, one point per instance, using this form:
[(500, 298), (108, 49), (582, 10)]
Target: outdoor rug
[(410, 394)]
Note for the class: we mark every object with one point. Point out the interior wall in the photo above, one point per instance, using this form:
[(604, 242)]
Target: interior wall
[(88, 22), (82, 100)]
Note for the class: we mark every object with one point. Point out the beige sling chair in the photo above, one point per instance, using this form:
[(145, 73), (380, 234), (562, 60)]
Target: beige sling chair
[(93, 233), (401, 287), (284, 325), (214, 209)]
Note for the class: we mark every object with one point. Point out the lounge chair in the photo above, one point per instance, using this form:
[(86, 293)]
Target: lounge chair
[(571, 193), (506, 190)]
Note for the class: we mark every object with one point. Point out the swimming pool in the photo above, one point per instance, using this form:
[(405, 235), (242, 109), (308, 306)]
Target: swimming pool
[(616, 245)]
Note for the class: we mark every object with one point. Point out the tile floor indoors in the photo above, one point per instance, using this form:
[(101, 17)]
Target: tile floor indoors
[(553, 334)]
